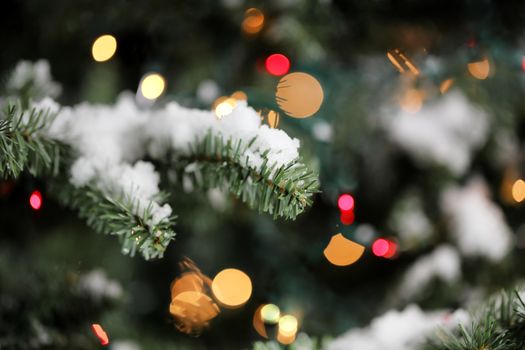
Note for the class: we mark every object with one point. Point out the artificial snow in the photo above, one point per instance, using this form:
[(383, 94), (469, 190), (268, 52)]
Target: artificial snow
[(477, 224), (398, 330), (98, 285), (442, 263), (445, 132), (37, 75)]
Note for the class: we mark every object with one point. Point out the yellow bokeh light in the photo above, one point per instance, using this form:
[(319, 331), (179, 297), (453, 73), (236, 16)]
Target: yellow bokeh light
[(479, 70), (104, 47), (518, 190), (341, 251), (232, 288), (285, 339), (446, 85), (225, 107), (288, 325), (152, 86), (299, 95), (412, 100), (239, 96), (270, 313), (253, 21)]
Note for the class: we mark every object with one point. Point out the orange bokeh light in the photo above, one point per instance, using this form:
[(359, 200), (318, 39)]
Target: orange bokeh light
[(253, 21), (480, 69), (518, 191), (299, 95), (342, 251), (232, 288)]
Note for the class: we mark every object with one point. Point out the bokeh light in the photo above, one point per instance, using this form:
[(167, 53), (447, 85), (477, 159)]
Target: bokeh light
[(253, 21), (380, 247), (341, 251), (412, 100), (232, 288), (445, 85), (392, 250), (518, 190), (299, 95), (277, 64), (287, 329), (239, 96), (189, 281), (271, 117), (104, 47), (100, 333), (345, 202), (152, 86), (193, 311), (401, 62), (347, 217), (35, 200), (480, 69), (225, 107), (258, 323), (270, 314)]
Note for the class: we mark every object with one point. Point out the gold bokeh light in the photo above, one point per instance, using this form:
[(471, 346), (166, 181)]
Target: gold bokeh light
[(342, 251), (104, 47), (299, 95), (232, 288), (253, 21), (445, 85), (412, 100), (518, 191), (480, 69), (152, 86)]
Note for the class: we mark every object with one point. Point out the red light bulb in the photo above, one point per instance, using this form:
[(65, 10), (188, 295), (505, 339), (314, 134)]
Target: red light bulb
[(277, 64), (380, 247), (345, 202), (35, 200)]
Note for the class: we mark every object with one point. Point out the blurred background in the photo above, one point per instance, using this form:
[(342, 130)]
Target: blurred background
[(422, 122)]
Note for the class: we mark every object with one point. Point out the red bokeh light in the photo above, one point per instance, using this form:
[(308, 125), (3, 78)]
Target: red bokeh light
[(347, 217), (345, 202), (35, 200), (392, 250), (380, 247), (100, 333), (523, 63), (277, 64)]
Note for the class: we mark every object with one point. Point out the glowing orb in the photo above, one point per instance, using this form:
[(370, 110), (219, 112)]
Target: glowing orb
[(104, 47), (380, 247), (518, 190), (299, 95), (479, 70), (412, 101), (232, 288), (35, 200), (341, 251), (100, 333), (225, 107), (193, 311), (152, 86), (446, 85), (277, 64), (345, 202), (288, 325), (270, 313), (253, 21)]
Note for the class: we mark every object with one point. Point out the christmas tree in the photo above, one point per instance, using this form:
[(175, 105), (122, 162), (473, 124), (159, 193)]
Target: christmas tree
[(283, 174)]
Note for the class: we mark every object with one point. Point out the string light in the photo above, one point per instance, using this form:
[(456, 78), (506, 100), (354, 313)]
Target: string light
[(104, 47), (253, 21), (100, 333), (380, 247), (35, 200), (341, 251), (299, 95), (152, 86), (480, 69), (277, 64), (345, 202), (518, 191), (232, 288)]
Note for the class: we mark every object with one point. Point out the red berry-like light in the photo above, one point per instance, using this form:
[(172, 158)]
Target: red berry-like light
[(35, 200), (277, 64), (347, 217), (345, 202), (380, 247)]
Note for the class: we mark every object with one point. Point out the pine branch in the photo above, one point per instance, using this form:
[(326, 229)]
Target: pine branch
[(22, 147), (501, 326), (116, 217), (284, 191)]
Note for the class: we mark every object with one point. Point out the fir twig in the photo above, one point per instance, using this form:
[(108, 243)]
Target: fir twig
[(284, 191), (22, 147)]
